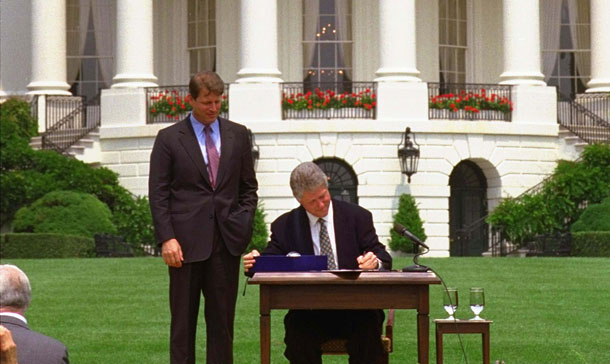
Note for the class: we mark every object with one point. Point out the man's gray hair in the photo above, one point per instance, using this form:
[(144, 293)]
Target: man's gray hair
[(15, 290), (307, 176)]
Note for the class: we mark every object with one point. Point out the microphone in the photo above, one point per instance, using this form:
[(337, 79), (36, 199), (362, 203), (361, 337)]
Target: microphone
[(406, 233)]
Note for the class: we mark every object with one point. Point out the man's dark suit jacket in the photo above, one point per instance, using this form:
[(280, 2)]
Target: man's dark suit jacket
[(354, 235), (184, 204), (33, 347)]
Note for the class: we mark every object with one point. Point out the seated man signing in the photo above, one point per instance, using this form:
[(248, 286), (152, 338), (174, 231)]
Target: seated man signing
[(346, 234)]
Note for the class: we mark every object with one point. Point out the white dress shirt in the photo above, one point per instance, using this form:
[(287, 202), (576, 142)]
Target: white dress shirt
[(314, 226)]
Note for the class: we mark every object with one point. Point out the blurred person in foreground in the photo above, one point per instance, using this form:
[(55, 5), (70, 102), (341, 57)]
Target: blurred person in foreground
[(15, 297), (8, 349), (346, 234)]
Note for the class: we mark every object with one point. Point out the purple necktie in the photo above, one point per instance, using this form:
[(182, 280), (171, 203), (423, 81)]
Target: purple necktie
[(213, 157)]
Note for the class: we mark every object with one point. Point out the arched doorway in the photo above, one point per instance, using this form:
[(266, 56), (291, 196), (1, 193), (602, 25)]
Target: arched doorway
[(468, 234), (342, 181)]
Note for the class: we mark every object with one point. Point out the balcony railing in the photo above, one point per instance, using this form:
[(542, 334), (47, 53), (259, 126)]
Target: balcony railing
[(469, 101), (168, 104), (329, 100), (581, 120), (597, 102), (68, 119)]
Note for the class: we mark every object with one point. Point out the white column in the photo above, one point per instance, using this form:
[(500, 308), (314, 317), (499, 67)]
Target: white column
[(257, 92), (397, 45), (600, 46), (400, 93), (258, 42), (134, 44), (48, 48), (522, 65)]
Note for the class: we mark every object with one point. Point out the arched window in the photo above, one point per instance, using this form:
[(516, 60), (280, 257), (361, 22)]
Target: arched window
[(467, 205), (342, 181)]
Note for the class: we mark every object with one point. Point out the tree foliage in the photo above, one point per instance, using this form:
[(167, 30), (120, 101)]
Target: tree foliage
[(260, 234), (408, 216), (26, 175), (561, 200)]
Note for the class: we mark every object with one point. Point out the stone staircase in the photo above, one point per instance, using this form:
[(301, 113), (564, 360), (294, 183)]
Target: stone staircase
[(87, 149)]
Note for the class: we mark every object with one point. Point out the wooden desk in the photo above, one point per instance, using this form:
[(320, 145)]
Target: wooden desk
[(462, 327), (325, 290)]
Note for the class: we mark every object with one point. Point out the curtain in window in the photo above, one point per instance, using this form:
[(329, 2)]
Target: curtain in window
[(77, 19), (311, 23), (550, 22), (580, 31), (343, 26), (104, 23)]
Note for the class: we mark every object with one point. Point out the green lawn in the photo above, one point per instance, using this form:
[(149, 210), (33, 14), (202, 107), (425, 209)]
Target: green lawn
[(545, 310)]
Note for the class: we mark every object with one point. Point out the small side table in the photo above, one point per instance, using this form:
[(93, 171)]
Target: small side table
[(462, 327)]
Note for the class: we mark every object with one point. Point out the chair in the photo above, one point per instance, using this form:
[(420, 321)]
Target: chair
[(337, 346)]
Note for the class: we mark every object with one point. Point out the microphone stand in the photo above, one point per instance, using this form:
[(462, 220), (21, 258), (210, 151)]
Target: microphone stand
[(416, 267)]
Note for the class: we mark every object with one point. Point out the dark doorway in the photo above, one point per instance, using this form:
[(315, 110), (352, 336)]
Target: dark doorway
[(468, 232), (342, 181)]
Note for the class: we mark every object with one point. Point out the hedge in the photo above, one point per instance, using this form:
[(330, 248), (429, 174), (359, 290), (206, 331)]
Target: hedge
[(65, 212), (591, 244), (36, 246)]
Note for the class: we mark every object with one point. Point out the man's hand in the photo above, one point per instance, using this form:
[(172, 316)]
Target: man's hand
[(249, 259), (172, 253), (368, 261), (8, 349)]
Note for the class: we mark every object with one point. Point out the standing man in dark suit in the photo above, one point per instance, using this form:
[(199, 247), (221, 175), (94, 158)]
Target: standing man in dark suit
[(15, 297), (346, 234), (202, 191)]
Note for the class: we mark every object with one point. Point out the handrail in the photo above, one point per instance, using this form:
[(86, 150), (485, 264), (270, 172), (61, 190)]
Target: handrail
[(581, 121), (80, 121)]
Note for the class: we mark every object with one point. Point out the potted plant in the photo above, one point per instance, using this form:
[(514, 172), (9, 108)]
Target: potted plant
[(471, 103), (328, 100), (173, 106)]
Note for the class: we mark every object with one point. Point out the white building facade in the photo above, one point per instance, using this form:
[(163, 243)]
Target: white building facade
[(402, 49)]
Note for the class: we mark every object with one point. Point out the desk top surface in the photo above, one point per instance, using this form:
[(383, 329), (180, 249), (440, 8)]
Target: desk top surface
[(344, 277)]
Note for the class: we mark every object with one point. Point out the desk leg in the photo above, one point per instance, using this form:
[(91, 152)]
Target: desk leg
[(423, 325), (265, 325), (265, 339)]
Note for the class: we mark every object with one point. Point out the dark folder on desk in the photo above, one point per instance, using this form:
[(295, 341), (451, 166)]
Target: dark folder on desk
[(280, 263)]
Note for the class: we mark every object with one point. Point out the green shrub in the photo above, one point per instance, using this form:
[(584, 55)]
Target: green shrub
[(591, 244), (596, 217), (260, 234), (16, 120), (65, 212), (134, 223), (560, 201), (597, 155), (38, 246), (408, 216)]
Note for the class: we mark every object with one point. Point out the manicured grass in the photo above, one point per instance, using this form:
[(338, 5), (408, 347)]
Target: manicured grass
[(545, 310)]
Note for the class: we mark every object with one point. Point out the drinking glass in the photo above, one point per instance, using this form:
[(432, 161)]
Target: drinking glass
[(477, 301), (450, 302)]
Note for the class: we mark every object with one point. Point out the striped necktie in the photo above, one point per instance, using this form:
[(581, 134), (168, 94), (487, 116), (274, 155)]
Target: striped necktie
[(325, 247), (213, 157)]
